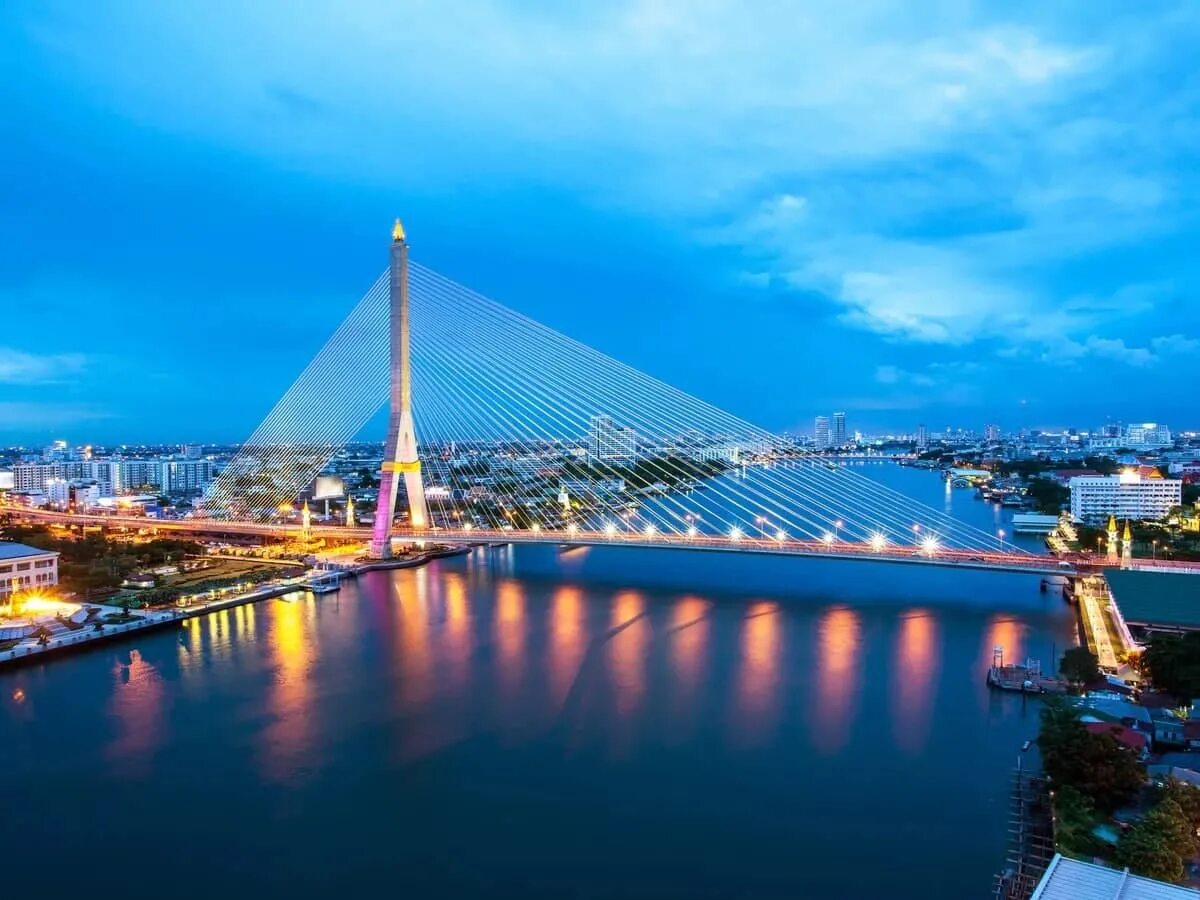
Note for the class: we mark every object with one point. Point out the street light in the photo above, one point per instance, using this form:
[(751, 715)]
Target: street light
[(761, 521), (692, 532), (827, 539), (781, 535), (1001, 534), (837, 526), (735, 533), (610, 529), (572, 528), (650, 529), (878, 541), (930, 545)]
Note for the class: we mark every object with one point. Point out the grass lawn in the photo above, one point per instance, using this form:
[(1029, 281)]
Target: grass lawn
[(218, 569)]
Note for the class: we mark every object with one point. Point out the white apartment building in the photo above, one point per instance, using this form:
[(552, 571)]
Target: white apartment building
[(1128, 495), (22, 568), (822, 436), (607, 441), (115, 476)]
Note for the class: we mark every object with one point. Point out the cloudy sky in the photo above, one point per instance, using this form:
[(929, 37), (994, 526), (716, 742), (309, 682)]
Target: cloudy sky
[(942, 212)]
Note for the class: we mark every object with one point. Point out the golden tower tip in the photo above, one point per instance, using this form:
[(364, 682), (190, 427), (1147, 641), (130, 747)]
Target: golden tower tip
[(397, 231)]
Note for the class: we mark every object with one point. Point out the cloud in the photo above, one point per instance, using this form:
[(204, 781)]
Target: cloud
[(20, 367), (1117, 350)]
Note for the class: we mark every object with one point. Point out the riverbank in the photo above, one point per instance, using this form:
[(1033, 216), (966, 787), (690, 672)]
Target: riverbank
[(31, 649)]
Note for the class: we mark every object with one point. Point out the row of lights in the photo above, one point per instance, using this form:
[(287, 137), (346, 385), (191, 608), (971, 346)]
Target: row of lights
[(878, 541)]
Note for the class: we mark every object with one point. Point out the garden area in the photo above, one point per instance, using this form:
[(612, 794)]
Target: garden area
[(1105, 807)]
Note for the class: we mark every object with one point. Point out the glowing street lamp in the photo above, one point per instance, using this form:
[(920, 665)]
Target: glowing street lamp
[(610, 529), (930, 545), (649, 531), (1000, 533), (467, 526), (837, 526), (781, 535), (535, 528), (692, 531), (878, 542), (735, 533), (572, 529), (827, 539)]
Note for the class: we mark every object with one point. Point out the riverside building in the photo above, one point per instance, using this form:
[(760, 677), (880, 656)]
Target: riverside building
[(1129, 495)]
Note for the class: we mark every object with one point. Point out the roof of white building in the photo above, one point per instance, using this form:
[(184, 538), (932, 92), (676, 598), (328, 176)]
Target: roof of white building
[(11, 550), (1070, 879)]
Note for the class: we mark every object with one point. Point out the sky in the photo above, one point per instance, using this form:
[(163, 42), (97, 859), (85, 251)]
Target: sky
[(951, 213)]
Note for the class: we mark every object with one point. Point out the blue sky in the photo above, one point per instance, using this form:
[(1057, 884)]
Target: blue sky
[(951, 212)]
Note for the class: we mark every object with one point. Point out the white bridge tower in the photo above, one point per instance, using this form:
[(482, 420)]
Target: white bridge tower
[(400, 451)]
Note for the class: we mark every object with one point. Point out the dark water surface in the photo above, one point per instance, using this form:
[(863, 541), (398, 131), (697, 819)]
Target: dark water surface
[(526, 722)]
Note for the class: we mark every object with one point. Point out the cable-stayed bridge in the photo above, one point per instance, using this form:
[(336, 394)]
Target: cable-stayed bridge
[(501, 428)]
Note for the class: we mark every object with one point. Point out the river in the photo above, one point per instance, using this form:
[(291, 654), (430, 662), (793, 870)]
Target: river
[(538, 723)]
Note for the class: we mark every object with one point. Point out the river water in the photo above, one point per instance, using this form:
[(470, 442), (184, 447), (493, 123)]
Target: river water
[(539, 723)]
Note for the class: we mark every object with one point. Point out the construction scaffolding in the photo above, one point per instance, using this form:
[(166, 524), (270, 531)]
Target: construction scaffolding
[(1030, 835)]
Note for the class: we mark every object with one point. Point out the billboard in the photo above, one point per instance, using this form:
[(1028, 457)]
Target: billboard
[(328, 487)]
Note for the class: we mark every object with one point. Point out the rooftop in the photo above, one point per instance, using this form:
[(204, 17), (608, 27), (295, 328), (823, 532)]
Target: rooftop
[(1070, 879), (1166, 599), (11, 550)]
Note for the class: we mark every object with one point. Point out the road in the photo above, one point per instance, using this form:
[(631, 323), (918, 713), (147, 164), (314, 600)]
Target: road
[(1015, 561)]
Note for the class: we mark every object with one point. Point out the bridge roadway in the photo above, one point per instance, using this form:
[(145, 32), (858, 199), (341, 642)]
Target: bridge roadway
[(1015, 561)]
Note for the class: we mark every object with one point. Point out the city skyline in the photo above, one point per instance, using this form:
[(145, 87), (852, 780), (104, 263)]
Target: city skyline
[(1024, 229)]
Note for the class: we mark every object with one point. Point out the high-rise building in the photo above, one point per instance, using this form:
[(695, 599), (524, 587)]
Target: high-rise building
[(839, 429), (991, 433), (1130, 495), (922, 438), (608, 442), (179, 475), (821, 436), (1148, 435)]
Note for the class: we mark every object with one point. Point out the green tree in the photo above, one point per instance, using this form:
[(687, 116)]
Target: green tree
[(1157, 846), (1186, 796), (1079, 666), (1148, 854), (1050, 496), (1105, 771), (1075, 820), (1172, 663)]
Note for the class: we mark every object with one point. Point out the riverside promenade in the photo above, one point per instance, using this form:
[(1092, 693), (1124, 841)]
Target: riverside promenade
[(32, 648)]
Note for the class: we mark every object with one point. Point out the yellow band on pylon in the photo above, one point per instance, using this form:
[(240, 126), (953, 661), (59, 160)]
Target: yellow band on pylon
[(402, 467)]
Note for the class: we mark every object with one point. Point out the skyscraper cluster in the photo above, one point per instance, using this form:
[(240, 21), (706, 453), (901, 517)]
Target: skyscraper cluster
[(827, 434)]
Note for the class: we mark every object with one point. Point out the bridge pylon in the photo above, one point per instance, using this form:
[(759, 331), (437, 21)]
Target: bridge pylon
[(400, 452)]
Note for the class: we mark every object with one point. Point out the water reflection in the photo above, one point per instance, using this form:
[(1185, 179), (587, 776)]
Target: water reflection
[(456, 643), (566, 639), (293, 650), (689, 649), (1003, 632), (137, 706), (509, 626), (839, 643), (627, 650), (914, 679), (758, 672), (413, 657)]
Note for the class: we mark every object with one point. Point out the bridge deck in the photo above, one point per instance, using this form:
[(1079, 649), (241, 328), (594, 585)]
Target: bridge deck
[(1016, 561)]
